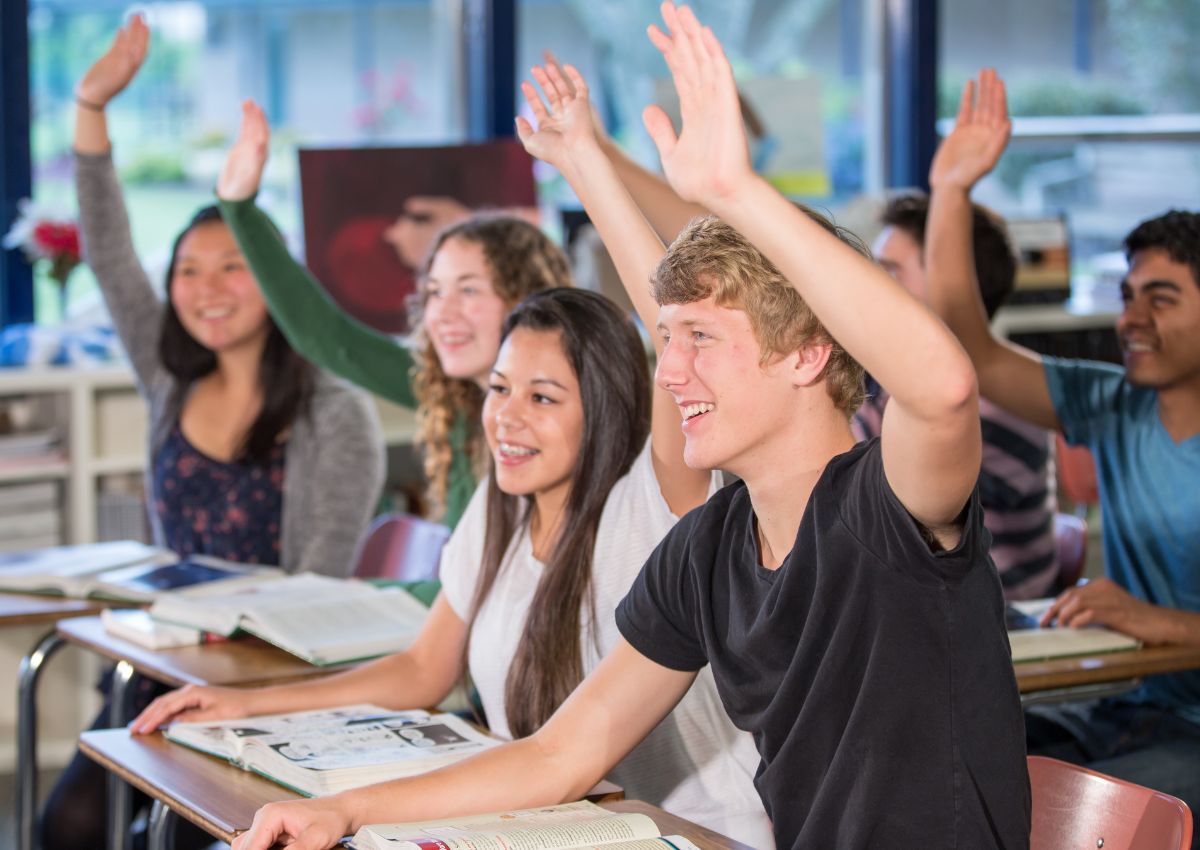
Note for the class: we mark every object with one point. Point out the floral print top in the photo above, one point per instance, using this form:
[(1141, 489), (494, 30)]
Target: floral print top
[(229, 510)]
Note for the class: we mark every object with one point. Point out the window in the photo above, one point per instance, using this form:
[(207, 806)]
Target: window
[(1106, 97), (335, 73)]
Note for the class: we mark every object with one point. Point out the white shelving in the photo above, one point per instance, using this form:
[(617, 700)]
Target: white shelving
[(103, 421)]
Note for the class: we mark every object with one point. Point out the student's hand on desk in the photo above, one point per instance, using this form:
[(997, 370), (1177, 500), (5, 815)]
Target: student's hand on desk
[(979, 136), (1103, 602), (564, 120), (192, 703), (709, 160), (113, 71), (315, 824), (246, 160)]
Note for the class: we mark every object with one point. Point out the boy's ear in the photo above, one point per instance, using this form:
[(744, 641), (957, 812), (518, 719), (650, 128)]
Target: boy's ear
[(806, 365)]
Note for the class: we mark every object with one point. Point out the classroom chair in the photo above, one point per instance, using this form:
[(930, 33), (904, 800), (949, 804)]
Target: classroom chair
[(401, 547), (1076, 470), (1074, 807), (1070, 536)]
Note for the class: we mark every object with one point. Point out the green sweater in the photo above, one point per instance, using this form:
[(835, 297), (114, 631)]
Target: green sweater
[(321, 332)]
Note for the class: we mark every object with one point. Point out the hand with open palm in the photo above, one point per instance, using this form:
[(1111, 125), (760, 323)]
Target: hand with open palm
[(246, 160), (112, 72), (979, 136), (708, 160), (564, 118)]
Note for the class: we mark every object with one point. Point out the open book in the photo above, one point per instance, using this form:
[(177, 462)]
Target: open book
[(123, 570), (1031, 642), (322, 620), (572, 826), (324, 752)]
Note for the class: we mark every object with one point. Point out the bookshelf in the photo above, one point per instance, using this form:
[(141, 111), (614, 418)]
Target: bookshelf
[(101, 423)]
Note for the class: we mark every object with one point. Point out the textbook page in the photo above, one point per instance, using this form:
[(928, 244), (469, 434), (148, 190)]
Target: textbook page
[(1030, 642), (70, 570), (573, 826), (220, 609)]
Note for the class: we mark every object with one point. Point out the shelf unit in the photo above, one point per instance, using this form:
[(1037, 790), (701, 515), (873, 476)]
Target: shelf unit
[(104, 433)]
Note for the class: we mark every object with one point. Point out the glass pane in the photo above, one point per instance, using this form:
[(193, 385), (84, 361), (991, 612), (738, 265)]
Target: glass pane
[(335, 73), (799, 63), (1111, 91)]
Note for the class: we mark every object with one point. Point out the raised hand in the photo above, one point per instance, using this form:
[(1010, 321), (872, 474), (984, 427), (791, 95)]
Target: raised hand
[(112, 72), (564, 120), (192, 703), (315, 824), (247, 158), (709, 159), (979, 137)]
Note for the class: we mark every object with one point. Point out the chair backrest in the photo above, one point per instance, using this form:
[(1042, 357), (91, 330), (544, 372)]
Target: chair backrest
[(1076, 472), (1074, 807), (1070, 534), (401, 547)]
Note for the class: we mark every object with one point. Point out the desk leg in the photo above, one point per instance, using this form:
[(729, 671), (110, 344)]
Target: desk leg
[(26, 791), (161, 831), (118, 790)]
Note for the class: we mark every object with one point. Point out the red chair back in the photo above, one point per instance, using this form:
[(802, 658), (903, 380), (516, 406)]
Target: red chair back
[(1070, 533), (401, 547), (1076, 472), (1079, 809)]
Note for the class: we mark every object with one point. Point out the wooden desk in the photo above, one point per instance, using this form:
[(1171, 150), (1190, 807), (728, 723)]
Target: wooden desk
[(243, 663), (222, 799), (21, 609), (1066, 677)]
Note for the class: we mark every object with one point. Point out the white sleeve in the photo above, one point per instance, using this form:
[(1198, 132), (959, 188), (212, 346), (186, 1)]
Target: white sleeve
[(462, 556)]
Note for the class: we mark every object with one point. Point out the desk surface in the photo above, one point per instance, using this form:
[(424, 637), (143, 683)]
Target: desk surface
[(222, 799), (242, 662), (18, 609), (1107, 667)]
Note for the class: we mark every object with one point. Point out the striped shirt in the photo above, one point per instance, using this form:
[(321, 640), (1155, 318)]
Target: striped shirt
[(1016, 489)]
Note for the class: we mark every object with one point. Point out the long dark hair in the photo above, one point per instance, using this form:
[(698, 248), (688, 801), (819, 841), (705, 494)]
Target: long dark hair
[(608, 359), (286, 378)]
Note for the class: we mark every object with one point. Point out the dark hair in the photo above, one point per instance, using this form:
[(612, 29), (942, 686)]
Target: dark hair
[(286, 378), (995, 262), (606, 354), (1177, 232)]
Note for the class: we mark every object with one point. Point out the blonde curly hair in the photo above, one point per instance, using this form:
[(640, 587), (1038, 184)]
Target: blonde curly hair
[(522, 261)]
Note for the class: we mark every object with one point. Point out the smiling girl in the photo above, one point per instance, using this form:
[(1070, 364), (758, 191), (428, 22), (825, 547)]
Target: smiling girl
[(254, 456), (475, 273)]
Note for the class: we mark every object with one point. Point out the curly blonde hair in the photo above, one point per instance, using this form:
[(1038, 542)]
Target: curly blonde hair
[(522, 261), (711, 258)]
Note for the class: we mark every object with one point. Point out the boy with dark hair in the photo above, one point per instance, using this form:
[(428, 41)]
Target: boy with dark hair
[(841, 593), (1142, 424), (1016, 479)]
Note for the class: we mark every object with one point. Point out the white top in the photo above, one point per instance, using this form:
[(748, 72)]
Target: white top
[(695, 763)]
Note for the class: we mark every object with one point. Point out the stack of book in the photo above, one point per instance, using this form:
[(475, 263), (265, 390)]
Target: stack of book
[(30, 515)]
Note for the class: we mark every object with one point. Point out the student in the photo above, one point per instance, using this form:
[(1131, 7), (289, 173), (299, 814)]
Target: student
[(1016, 482), (841, 594), (476, 272), (254, 455), (1141, 424)]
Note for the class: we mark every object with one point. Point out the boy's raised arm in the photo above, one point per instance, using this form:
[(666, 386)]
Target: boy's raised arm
[(1009, 375), (931, 438), (566, 138)]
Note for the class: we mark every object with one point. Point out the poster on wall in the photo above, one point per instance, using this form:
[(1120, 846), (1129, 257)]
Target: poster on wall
[(370, 214)]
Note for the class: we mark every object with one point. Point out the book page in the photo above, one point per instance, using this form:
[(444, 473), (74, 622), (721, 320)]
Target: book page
[(1034, 644), (326, 629), (574, 825), (365, 740), (70, 561)]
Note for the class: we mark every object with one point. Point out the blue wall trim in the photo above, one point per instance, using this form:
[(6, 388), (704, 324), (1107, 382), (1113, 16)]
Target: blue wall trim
[(16, 166)]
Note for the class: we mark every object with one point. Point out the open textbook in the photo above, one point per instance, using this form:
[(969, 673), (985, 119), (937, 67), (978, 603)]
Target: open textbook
[(322, 620), (123, 570), (572, 826), (324, 752), (1030, 642)]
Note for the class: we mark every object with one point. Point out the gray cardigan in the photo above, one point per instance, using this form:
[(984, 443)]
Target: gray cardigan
[(334, 460)]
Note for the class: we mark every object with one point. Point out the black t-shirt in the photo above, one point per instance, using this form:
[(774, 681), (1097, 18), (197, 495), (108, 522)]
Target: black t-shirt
[(875, 675)]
